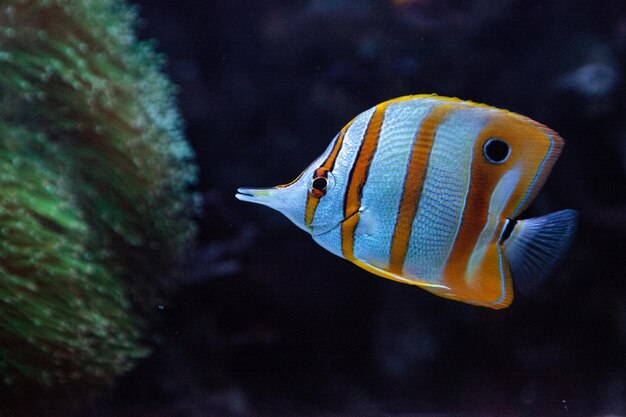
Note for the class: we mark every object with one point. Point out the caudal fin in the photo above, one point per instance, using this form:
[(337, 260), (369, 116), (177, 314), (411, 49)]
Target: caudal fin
[(536, 245)]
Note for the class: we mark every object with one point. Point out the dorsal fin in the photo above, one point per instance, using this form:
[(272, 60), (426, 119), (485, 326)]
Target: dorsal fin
[(536, 245)]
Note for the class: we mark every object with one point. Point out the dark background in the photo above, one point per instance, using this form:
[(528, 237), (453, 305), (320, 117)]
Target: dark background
[(264, 322)]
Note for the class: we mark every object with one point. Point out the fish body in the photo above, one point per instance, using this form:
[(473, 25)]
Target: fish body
[(425, 190)]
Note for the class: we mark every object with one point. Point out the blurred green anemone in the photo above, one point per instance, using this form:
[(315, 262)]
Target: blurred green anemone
[(94, 207)]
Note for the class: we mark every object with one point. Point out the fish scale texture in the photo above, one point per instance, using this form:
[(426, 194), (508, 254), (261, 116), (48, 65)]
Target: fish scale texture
[(440, 207)]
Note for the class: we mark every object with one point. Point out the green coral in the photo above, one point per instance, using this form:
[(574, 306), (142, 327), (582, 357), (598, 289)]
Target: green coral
[(63, 313), (94, 173)]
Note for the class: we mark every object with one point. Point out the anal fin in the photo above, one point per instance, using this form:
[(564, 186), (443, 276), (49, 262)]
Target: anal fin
[(489, 286), (486, 284)]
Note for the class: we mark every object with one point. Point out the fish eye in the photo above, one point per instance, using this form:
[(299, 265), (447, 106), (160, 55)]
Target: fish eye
[(320, 184), (322, 181), (496, 150)]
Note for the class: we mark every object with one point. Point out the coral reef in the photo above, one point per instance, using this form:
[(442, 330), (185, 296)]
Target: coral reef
[(94, 206), (263, 322)]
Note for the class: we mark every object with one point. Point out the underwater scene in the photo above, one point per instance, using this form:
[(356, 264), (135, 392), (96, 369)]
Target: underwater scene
[(445, 222)]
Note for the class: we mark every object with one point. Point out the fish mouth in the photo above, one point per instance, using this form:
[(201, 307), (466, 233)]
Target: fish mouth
[(264, 196), (345, 219), (243, 193)]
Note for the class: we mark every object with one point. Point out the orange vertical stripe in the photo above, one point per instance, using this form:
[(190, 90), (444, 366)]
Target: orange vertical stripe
[(329, 163), (311, 206), (311, 200), (357, 179), (414, 184), (484, 287)]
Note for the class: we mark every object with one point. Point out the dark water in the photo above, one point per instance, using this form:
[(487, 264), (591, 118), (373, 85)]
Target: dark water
[(268, 323)]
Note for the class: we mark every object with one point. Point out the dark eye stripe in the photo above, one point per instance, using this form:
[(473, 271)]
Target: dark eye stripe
[(311, 200)]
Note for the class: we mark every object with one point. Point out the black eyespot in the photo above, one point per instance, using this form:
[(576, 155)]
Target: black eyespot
[(320, 184), (496, 150)]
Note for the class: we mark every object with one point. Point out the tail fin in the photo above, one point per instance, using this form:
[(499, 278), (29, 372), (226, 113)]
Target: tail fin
[(536, 245)]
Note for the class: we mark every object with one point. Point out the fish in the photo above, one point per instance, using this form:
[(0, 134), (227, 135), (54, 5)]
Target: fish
[(426, 190)]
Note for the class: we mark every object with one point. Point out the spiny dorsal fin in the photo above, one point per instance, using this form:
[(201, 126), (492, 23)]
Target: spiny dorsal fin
[(536, 246)]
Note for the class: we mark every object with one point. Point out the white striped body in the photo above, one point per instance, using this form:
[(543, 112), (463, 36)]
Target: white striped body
[(415, 190), (439, 209)]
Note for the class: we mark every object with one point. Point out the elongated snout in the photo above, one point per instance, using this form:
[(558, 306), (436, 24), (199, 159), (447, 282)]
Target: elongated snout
[(265, 196)]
